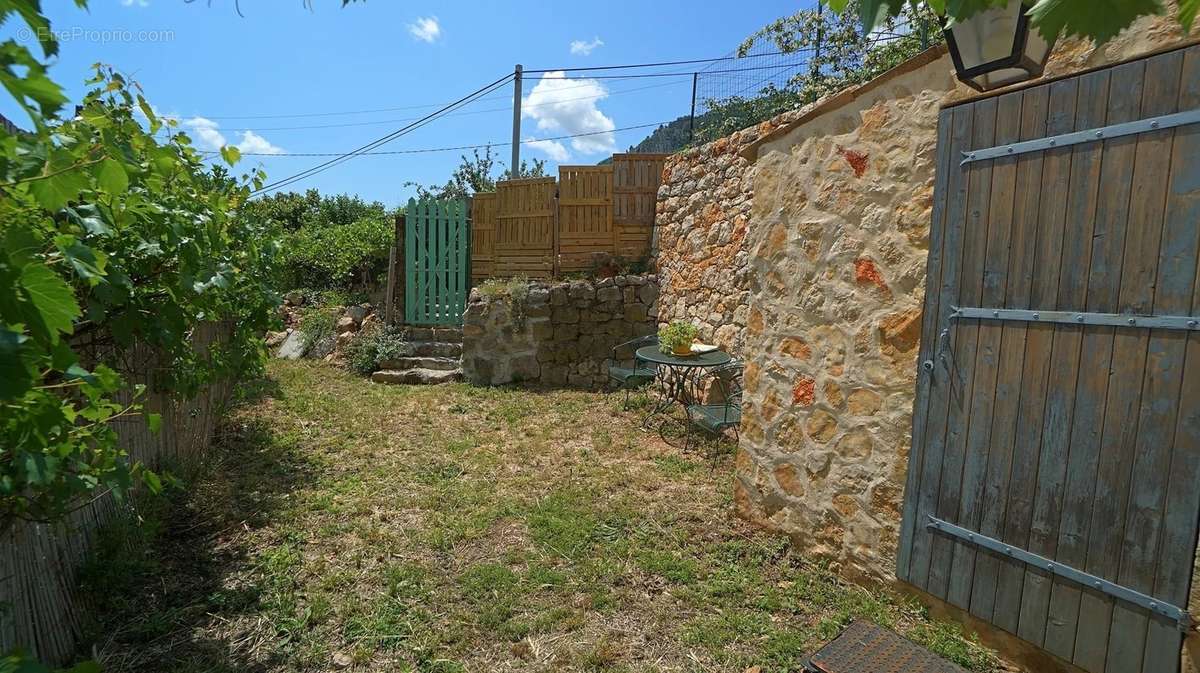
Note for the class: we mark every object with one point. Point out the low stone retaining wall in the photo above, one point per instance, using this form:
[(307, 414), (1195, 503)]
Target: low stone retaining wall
[(554, 334)]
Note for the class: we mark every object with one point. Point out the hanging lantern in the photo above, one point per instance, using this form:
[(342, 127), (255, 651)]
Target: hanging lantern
[(997, 47)]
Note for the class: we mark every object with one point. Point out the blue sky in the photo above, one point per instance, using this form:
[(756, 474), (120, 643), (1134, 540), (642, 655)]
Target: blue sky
[(214, 69)]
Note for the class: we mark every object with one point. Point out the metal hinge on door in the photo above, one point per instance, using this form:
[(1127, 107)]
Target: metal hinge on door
[(1177, 322), (1067, 139), (1173, 612)]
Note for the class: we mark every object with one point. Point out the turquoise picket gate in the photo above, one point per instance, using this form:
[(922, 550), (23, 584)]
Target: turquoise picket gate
[(437, 255)]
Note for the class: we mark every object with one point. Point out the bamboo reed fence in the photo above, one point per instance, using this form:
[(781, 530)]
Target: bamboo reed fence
[(40, 612)]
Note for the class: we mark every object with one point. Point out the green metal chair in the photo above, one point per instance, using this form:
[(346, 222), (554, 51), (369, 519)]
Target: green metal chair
[(716, 417), (624, 368)]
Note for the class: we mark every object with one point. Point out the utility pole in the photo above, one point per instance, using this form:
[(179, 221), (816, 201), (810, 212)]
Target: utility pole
[(516, 139), (692, 119)]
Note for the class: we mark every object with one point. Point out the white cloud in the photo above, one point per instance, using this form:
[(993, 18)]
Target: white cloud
[(209, 138), (426, 28), (207, 133), (553, 149), (135, 3), (585, 48), (252, 143), (568, 106)]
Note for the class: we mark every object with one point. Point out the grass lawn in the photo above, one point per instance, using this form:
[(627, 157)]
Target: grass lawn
[(342, 525)]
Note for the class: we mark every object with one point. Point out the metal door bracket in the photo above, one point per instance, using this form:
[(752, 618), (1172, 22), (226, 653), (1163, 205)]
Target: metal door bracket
[(1179, 322), (1068, 139), (1173, 612)]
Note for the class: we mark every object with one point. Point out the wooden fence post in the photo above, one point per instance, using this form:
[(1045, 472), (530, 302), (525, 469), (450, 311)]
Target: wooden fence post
[(395, 276)]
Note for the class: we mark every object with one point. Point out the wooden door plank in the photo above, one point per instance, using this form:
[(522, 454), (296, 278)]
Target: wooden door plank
[(939, 391), (993, 286), (1078, 193), (1047, 259), (1180, 249), (929, 330), (410, 263), (1088, 375), (1034, 106), (1164, 353), (1059, 396), (1104, 287), (964, 335)]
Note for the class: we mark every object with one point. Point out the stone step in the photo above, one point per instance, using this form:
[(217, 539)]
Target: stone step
[(417, 376), (438, 363), (434, 349), (445, 334)]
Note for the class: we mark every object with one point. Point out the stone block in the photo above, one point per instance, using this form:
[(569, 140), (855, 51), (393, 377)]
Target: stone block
[(526, 368), (538, 295), (538, 310), (565, 315), (541, 328), (608, 294), (558, 295), (581, 290), (566, 332), (554, 376), (648, 293), (635, 312)]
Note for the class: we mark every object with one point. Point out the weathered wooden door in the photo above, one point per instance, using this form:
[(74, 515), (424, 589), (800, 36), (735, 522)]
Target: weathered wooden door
[(585, 216), (1054, 480), (436, 255)]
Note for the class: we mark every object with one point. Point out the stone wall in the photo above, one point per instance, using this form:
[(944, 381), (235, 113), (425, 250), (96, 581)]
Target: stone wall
[(701, 226), (835, 252), (555, 334)]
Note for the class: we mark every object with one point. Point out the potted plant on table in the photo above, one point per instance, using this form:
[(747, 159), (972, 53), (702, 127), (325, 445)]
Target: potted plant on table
[(676, 338)]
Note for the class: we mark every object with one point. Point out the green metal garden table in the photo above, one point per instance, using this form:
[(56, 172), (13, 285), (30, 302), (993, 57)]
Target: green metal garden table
[(678, 379)]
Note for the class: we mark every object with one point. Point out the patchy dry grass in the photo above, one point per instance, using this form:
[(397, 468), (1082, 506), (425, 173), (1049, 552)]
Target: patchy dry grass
[(346, 525)]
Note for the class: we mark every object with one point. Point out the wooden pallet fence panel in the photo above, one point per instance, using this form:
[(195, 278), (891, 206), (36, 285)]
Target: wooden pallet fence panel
[(585, 216), (483, 235), (525, 228), (636, 179)]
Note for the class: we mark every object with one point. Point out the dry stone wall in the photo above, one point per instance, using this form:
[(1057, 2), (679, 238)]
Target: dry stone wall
[(555, 334), (703, 216)]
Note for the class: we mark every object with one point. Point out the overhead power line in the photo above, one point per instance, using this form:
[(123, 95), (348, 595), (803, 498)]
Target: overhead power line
[(301, 115), (655, 65), (323, 166), (457, 114), (456, 148)]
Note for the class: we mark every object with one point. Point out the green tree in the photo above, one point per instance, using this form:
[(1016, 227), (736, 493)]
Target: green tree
[(1099, 21), (475, 175), (840, 54)]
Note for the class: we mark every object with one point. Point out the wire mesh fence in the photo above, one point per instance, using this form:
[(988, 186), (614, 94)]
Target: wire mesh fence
[(788, 64)]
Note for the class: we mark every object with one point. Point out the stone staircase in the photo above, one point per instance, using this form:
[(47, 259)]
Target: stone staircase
[(431, 355)]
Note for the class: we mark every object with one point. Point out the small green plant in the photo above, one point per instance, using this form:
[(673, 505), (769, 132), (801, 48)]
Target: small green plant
[(676, 336), (512, 290), (318, 324), (374, 345)]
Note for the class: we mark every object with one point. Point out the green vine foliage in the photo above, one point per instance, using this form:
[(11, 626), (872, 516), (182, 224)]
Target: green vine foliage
[(840, 54), (1098, 21), (109, 237)]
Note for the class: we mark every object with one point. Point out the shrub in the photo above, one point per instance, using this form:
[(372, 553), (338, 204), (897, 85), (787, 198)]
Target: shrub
[(336, 256), (374, 345)]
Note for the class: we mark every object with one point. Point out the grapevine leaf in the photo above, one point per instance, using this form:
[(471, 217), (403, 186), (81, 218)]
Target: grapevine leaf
[(112, 177), (1098, 20), (1188, 9), (51, 297), (231, 154), (57, 188), (89, 217), (154, 422)]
